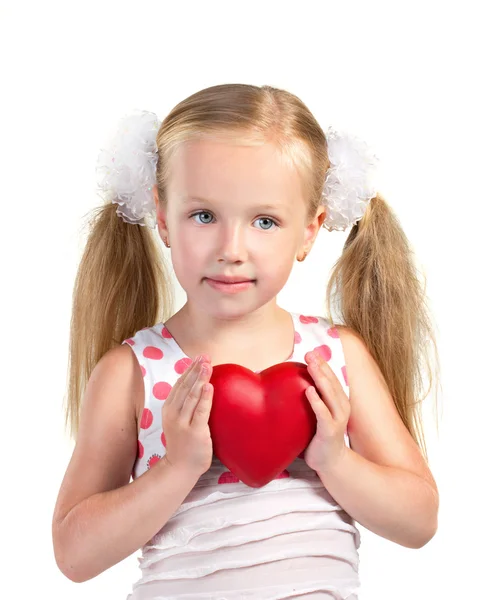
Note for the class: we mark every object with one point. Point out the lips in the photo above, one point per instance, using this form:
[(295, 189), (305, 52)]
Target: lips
[(222, 279), (230, 288)]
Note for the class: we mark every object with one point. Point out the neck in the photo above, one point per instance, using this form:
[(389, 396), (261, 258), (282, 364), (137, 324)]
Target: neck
[(224, 330), (255, 340)]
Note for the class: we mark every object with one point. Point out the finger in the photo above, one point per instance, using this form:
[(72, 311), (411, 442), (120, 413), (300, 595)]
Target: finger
[(170, 399), (325, 386), (202, 411), (320, 409), (324, 367), (194, 394), (338, 395), (184, 384)]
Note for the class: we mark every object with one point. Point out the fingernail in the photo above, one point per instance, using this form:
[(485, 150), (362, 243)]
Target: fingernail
[(314, 358)]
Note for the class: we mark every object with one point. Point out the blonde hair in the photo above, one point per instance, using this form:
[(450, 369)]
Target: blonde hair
[(123, 285)]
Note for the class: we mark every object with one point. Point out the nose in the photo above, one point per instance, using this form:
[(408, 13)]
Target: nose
[(232, 243)]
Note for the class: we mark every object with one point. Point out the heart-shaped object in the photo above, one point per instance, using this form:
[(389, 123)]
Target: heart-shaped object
[(260, 422)]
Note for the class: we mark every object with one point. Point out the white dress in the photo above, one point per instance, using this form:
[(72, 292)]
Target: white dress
[(287, 539)]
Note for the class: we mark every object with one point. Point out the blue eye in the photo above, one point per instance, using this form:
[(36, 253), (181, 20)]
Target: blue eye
[(269, 220), (205, 212), (201, 213)]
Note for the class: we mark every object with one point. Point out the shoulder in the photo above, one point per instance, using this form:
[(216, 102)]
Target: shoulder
[(351, 340), (363, 370), (121, 359), (121, 362), (356, 355), (119, 367)]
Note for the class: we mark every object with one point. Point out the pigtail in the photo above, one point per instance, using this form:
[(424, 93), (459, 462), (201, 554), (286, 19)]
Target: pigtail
[(375, 290), (121, 286)]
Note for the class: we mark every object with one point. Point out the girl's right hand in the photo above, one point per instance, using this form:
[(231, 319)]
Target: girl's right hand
[(185, 415)]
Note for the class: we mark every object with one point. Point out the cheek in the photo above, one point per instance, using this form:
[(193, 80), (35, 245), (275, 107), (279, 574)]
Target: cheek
[(187, 257), (276, 269), (188, 240), (278, 251)]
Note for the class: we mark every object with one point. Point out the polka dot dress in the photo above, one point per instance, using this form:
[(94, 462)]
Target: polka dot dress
[(225, 535)]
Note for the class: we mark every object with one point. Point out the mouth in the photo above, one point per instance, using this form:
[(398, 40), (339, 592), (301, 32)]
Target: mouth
[(230, 286), (229, 279)]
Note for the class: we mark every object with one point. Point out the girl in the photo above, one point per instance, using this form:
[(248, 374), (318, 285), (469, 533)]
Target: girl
[(239, 179)]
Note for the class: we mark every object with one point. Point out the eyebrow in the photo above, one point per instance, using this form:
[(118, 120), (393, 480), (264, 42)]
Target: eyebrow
[(265, 206)]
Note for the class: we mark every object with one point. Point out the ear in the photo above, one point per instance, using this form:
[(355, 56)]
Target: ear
[(160, 214), (312, 229)]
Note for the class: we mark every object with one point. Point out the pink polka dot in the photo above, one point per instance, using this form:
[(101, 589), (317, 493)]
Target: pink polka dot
[(130, 341), (153, 460), (161, 390), (228, 477), (297, 338), (165, 333), (304, 319), (324, 351), (283, 475), (163, 439), (143, 371), (146, 419), (333, 332), (153, 352), (344, 371), (140, 449), (182, 365)]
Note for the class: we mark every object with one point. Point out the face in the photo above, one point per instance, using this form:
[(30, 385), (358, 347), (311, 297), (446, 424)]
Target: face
[(238, 212)]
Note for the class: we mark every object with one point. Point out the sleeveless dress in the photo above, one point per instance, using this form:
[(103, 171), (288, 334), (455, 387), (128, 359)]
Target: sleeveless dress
[(287, 539)]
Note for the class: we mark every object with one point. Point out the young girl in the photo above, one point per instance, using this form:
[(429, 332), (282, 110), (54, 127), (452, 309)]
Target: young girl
[(239, 179)]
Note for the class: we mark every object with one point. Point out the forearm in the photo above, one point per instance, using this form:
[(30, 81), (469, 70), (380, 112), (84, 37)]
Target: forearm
[(107, 527), (393, 503)]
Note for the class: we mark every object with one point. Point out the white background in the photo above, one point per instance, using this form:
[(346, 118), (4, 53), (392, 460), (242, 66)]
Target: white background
[(417, 81)]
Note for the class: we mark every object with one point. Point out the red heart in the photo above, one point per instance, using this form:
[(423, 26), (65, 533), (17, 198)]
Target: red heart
[(260, 422)]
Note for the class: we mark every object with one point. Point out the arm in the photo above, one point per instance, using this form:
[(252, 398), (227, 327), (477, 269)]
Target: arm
[(383, 481), (392, 502), (100, 518)]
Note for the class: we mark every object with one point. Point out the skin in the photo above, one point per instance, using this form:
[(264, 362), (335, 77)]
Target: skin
[(382, 480), (232, 234)]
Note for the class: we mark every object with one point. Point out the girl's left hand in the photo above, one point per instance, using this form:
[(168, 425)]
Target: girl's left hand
[(332, 412)]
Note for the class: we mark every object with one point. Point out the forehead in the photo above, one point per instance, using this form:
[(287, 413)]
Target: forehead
[(216, 169)]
